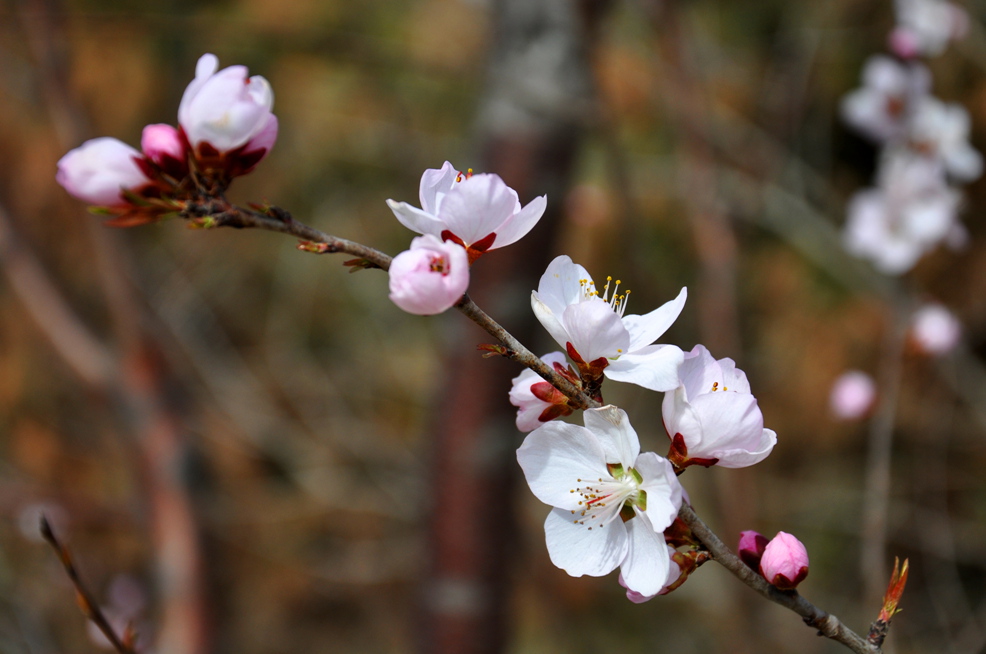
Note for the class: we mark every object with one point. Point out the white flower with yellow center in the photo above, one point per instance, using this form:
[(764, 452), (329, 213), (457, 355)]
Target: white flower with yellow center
[(611, 503)]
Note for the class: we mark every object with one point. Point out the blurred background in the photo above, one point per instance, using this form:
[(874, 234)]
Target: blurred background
[(250, 450)]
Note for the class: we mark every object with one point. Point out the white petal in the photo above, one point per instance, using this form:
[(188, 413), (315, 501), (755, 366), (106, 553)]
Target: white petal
[(476, 207), (663, 489), (742, 458), (654, 367), (522, 222), (728, 421), (555, 456), (595, 330), (434, 181), (616, 436), (646, 329), (415, 219), (645, 568), (559, 285), (549, 319), (580, 551)]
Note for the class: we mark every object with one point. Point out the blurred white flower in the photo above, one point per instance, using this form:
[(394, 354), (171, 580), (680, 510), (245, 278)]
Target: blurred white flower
[(879, 108), (935, 329), (852, 395)]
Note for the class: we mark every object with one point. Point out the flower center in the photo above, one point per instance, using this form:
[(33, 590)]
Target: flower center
[(619, 300), (605, 499), (462, 175), (715, 387), (439, 265)]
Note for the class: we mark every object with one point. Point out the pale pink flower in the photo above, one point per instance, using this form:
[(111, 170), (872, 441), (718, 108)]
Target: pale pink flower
[(911, 211), (479, 212), (611, 503), (227, 109), (852, 395), (593, 328), (750, 549), (941, 130), (536, 400), (935, 329), (785, 561), (880, 107), (430, 277), (712, 418), (100, 170), (924, 27)]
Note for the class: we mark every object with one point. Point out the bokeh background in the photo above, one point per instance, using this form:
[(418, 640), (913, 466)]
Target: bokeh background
[(250, 450)]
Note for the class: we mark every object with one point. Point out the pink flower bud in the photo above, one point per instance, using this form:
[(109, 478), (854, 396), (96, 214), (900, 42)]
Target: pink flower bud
[(536, 400), (935, 330), (750, 549), (430, 277), (160, 141), (785, 561), (852, 395), (226, 109), (99, 170)]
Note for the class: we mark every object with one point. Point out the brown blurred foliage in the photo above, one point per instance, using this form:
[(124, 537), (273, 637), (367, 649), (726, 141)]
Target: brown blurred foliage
[(713, 159)]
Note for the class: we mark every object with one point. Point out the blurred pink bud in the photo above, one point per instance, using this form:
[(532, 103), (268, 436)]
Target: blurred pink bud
[(99, 170), (160, 141), (226, 109), (430, 277), (750, 549), (785, 561), (852, 395), (935, 329)]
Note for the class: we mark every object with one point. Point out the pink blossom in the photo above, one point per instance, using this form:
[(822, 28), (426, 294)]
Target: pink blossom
[(100, 170), (852, 395), (480, 212), (712, 418), (430, 277), (750, 549), (924, 27), (935, 329), (536, 400), (785, 561), (227, 109)]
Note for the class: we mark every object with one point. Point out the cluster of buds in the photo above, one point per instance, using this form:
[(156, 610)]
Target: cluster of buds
[(225, 127), (924, 145)]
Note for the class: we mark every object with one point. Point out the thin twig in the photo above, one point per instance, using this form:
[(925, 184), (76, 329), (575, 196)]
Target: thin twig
[(827, 624), (90, 608)]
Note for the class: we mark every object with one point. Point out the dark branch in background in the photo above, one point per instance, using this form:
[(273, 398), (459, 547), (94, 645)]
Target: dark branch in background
[(827, 624), (90, 607), (278, 220)]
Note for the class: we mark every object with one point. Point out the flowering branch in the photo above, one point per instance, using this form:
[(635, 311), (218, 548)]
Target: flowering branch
[(827, 624), (219, 213)]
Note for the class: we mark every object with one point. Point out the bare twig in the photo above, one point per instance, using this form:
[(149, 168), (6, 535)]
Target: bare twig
[(827, 624), (90, 608)]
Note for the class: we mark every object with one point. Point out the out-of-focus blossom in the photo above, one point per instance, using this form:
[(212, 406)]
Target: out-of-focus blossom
[(536, 400), (924, 27), (611, 503), (785, 561), (100, 170), (942, 130), (906, 216), (598, 336), (879, 108), (164, 145), (852, 395), (479, 212), (750, 549), (226, 109), (712, 418), (935, 330), (430, 277)]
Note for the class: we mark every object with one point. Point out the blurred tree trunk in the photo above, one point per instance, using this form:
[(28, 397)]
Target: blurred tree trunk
[(531, 117)]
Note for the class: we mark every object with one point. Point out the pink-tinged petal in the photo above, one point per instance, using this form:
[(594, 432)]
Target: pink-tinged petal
[(733, 378), (664, 491), (699, 371), (785, 561), (415, 219), (654, 367), (555, 456), (645, 568), (266, 138), (530, 407), (616, 436), (476, 207), (430, 277), (521, 223), (433, 182), (750, 548), (647, 328), (160, 141), (729, 421), (595, 330), (99, 170), (679, 416), (744, 457), (560, 285), (205, 68), (580, 551)]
